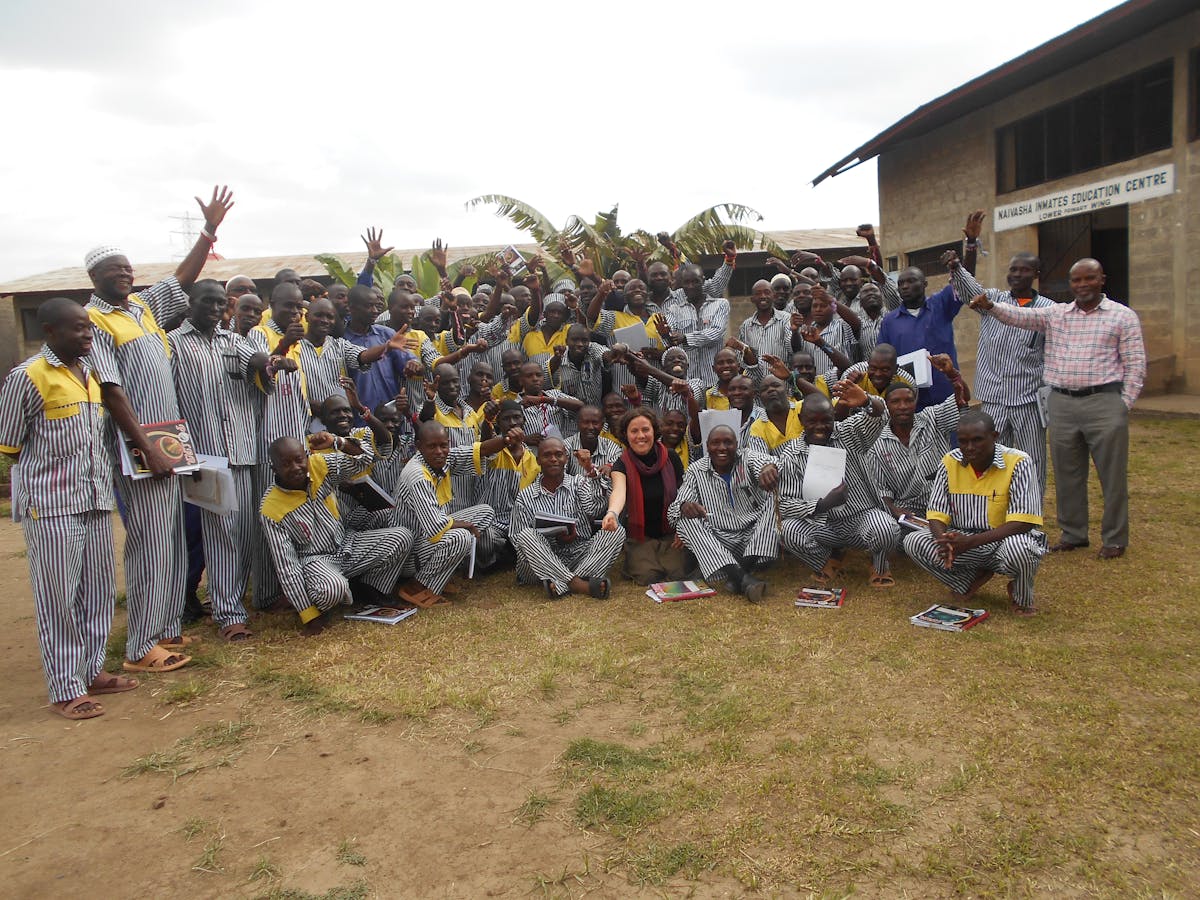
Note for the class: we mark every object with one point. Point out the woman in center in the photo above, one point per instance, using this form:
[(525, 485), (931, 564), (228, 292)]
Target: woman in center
[(645, 479)]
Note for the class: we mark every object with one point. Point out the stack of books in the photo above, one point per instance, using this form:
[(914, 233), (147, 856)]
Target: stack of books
[(821, 598), (949, 618), (670, 591)]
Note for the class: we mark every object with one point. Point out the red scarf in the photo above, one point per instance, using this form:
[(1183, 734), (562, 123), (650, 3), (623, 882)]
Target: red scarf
[(635, 500)]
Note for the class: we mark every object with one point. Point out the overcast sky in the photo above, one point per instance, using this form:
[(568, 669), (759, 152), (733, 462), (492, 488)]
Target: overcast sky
[(326, 117)]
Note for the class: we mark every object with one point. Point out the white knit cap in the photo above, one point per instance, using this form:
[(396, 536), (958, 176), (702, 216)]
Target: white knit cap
[(781, 278), (97, 255)]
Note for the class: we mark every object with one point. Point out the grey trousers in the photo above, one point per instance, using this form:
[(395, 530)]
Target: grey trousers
[(1095, 426)]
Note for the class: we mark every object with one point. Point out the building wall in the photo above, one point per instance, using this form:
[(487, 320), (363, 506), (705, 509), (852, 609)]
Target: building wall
[(927, 187)]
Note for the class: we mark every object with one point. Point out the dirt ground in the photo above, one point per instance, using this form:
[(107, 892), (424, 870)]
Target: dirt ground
[(420, 817)]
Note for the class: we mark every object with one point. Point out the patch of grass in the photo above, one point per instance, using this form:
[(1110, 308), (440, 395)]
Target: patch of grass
[(472, 747), (121, 600), (194, 753), (602, 756), (264, 870), (617, 808), (209, 860), (356, 890), (657, 863), (193, 827), (533, 809), (167, 761), (185, 692), (347, 855)]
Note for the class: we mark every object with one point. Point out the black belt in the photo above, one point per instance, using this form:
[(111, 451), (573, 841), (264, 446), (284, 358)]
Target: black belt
[(1110, 388)]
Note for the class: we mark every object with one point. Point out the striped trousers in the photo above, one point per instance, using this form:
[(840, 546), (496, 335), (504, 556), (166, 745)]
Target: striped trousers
[(155, 560), (1021, 427), (228, 549), (715, 549), (437, 560), (373, 557), (1017, 556), (812, 540), (71, 569), (539, 560), (262, 567)]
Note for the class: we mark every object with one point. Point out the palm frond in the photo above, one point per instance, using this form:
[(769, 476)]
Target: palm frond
[(426, 276), (522, 215)]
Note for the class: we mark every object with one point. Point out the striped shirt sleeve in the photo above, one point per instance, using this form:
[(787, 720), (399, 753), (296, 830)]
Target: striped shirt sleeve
[(103, 358), (19, 402)]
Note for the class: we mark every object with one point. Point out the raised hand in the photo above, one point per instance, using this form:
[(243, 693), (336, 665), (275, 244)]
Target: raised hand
[(811, 332), (214, 211), (348, 386), (632, 394), (560, 350), (437, 256), (850, 394), (777, 367), (950, 260), (980, 302), (322, 440), (467, 270), (680, 387), (662, 326), (401, 403), (584, 457), (607, 286), (586, 268), (491, 409), (861, 261), (414, 369), (943, 363), (776, 263), (974, 226), (514, 437), (565, 253), (480, 346), (730, 249), (867, 231), (802, 258), (431, 389), (374, 241)]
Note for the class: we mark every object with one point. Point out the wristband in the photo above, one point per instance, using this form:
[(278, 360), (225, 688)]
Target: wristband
[(208, 236)]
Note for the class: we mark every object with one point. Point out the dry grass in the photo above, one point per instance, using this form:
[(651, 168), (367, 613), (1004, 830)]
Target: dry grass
[(831, 751)]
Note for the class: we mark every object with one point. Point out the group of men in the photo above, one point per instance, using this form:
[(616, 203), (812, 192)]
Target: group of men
[(377, 442)]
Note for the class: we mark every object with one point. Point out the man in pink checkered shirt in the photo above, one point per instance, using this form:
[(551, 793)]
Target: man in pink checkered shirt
[(1095, 368)]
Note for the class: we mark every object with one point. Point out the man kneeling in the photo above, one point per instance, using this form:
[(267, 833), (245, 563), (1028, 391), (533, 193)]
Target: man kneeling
[(569, 558), (984, 516), (314, 555)]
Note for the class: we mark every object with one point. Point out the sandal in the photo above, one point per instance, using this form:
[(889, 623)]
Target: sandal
[(882, 580), (599, 588), (179, 642), (82, 707), (418, 595), (108, 683), (236, 633), (159, 659)]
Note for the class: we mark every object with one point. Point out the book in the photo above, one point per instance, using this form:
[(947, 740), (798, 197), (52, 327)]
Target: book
[(384, 615), (172, 440), (913, 523), (211, 486), (949, 618), (511, 257), (670, 591), (824, 470), (554, 527), (821, 598), (918, 366), (368, 492)]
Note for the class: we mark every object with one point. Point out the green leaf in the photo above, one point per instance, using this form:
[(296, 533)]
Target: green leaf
[(337, 269), (429, 283), (522, 215)]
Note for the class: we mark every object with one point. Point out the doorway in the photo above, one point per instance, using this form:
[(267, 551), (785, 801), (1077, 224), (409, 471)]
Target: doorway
[(1102, 235)]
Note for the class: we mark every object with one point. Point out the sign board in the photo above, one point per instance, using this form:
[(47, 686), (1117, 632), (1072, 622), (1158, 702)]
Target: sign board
[(1119, 191)]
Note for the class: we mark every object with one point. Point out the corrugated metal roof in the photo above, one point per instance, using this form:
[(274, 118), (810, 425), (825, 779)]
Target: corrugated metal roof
[(75, 278), (1098, 35)]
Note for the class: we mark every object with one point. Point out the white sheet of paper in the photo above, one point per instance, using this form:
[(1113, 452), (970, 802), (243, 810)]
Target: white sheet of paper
[(635, 336), (825, 470), (471, 561), (1043, 403), (211, 486), (922, 370), (711, 418)]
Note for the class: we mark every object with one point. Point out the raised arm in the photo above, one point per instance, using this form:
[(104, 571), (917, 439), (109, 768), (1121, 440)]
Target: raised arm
[(214, 213)]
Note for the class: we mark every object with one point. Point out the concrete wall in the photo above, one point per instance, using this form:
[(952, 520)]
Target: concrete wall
[(927, 187)]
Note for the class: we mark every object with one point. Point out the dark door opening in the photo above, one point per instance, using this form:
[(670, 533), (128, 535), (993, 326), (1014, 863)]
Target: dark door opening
[(1103, 235)]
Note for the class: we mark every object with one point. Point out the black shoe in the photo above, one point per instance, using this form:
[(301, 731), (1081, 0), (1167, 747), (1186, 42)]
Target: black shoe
[(755, 589), (733, 576)]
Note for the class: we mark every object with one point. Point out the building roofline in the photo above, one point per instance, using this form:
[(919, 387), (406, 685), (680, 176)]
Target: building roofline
[(1109, 29)]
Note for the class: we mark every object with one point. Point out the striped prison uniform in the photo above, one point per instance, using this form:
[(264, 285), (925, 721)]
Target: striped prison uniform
[(904, 474), (503, 478), (704, 330), (222, 413), (533, 341), (536, 419), (546, 558), (714, 285), (740, 517), (859, 522), (859, 375), (1008, 373), (427, 352), (355, 516), (660, 397), (583, 380), (425, 496), (1006, 492), (462, 425), (314, 555), (130, 350), (323, 366), (285, 414), (609, 321), (774, 338), (837, 333), (606, 453), (768, 440), (63, 495)]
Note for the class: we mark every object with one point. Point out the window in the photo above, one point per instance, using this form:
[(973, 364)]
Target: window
[(893, 263), (929, 259), (1118, 121), (29, 325)]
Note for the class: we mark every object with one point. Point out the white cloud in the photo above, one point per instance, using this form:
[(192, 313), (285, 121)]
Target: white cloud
[(326, 118)]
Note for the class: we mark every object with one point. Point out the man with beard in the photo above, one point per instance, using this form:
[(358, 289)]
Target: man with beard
[(819, 532), (985, 512), (780, 424), (573, 559), (723, 514)]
